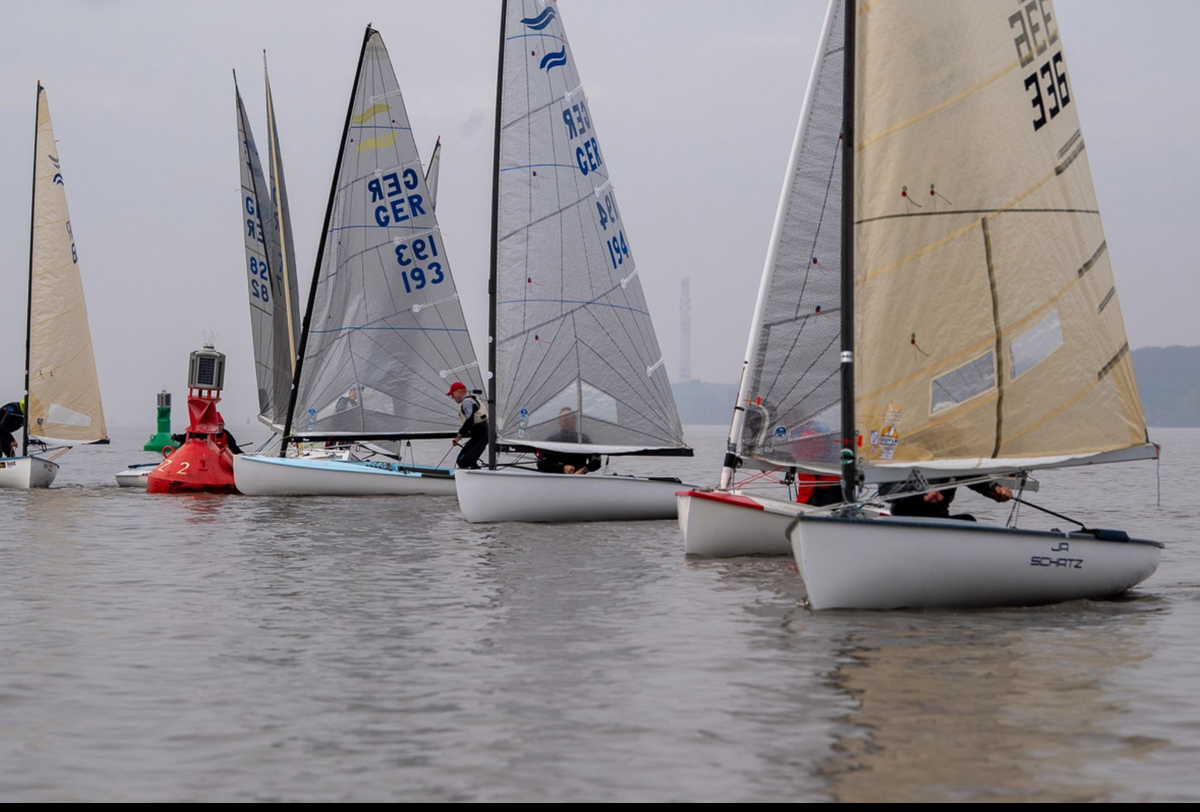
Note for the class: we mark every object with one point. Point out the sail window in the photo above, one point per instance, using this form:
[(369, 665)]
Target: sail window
[(963, 383), (1034, 345), (67, 417), (597, 404)]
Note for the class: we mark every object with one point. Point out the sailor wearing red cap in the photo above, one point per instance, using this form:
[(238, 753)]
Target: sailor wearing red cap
[(474, 425)]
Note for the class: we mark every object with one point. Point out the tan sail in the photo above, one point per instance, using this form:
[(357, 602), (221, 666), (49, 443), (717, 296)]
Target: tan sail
[(987, 323), (64, 393)]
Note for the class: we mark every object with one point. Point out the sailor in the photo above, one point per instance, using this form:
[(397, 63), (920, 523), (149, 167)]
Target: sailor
[(561, 462), (349, 400), (474, 425), (12, 418), (936, 504)]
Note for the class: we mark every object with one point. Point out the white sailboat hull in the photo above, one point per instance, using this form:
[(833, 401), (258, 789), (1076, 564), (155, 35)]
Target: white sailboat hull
[(274, 476), (135, 477), (891, 563), (529, 496), (718, 524), (27, 472)]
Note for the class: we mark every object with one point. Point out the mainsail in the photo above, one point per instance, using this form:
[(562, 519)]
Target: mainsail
[(789, 399), (64, 392), (572, 328), (987, 329), (269, 311), (384, 318)]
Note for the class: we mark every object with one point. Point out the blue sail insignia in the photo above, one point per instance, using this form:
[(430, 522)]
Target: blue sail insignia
[(541, 21), (554, 59)]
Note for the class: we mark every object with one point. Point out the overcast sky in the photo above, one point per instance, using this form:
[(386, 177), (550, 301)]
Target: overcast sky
[(695, 103)]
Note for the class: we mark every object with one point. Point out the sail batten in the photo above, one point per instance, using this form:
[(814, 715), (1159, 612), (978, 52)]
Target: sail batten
[(572, 327)]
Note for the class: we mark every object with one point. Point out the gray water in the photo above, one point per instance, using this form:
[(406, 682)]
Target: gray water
[(224, 648)]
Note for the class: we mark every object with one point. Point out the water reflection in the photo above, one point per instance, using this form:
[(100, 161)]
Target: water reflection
[(1000, 706)]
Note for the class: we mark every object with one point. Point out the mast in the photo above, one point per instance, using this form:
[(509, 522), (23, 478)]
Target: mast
[(37, 107), (849, 444), (277, 213), (491, 384), (312, 291)]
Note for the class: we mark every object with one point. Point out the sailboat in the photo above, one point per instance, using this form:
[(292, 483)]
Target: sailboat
[(980, 331), (383, 332), (572, 332), (63, 391)]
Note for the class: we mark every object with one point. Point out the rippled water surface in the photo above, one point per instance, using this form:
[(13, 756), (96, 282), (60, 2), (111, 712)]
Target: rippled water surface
[(224, 648)]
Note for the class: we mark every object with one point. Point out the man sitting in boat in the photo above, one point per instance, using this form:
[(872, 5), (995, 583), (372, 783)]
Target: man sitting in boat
[(815, 442), (474, 426), (561, 462), (936, 504), (12, 418), (349, 400)]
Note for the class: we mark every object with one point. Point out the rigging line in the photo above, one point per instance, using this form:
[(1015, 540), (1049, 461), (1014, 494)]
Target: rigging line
[(1051, 512)]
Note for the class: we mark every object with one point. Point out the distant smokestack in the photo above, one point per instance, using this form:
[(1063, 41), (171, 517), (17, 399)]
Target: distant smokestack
[(685, 332)]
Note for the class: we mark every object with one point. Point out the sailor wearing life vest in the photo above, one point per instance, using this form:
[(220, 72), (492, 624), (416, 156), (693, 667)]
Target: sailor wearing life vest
[(474, 426)]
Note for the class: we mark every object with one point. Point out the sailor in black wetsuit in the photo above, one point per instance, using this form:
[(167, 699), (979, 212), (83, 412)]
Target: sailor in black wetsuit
[(936, 504), (474, 426), (565, 462), (12, 418)]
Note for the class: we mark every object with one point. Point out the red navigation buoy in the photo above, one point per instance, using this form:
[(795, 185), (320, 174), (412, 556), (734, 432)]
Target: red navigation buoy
[(204, 463)]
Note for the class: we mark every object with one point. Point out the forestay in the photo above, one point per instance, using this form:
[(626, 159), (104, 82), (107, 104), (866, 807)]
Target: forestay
[(791, 391), (64, 392), (269, 317), (572, 327), (385, 317), (987, 324)]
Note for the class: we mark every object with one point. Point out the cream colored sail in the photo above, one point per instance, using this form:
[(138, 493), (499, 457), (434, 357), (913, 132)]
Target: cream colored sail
[(64, 393), (987, 324)]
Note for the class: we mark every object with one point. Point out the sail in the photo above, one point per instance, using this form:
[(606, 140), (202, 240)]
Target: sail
[(791, 392), (268, 301), (64, 392), (573, 330), (386, 321), (431, 173), (284, 262), (987, 326)]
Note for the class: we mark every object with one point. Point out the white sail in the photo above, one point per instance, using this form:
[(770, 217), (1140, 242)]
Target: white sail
[(64, 392), (987, 323), (431, 173), (384, 316), (572, 327), (265, 280), (285, 261), (789, 399)]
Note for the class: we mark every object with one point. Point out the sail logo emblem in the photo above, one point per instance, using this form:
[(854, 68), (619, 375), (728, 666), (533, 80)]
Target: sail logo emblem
[(57, 175), (554, 59), (541, 21), (371, 112)]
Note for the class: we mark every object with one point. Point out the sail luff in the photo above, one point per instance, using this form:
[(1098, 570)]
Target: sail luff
[(312, 291), (736, 441)]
